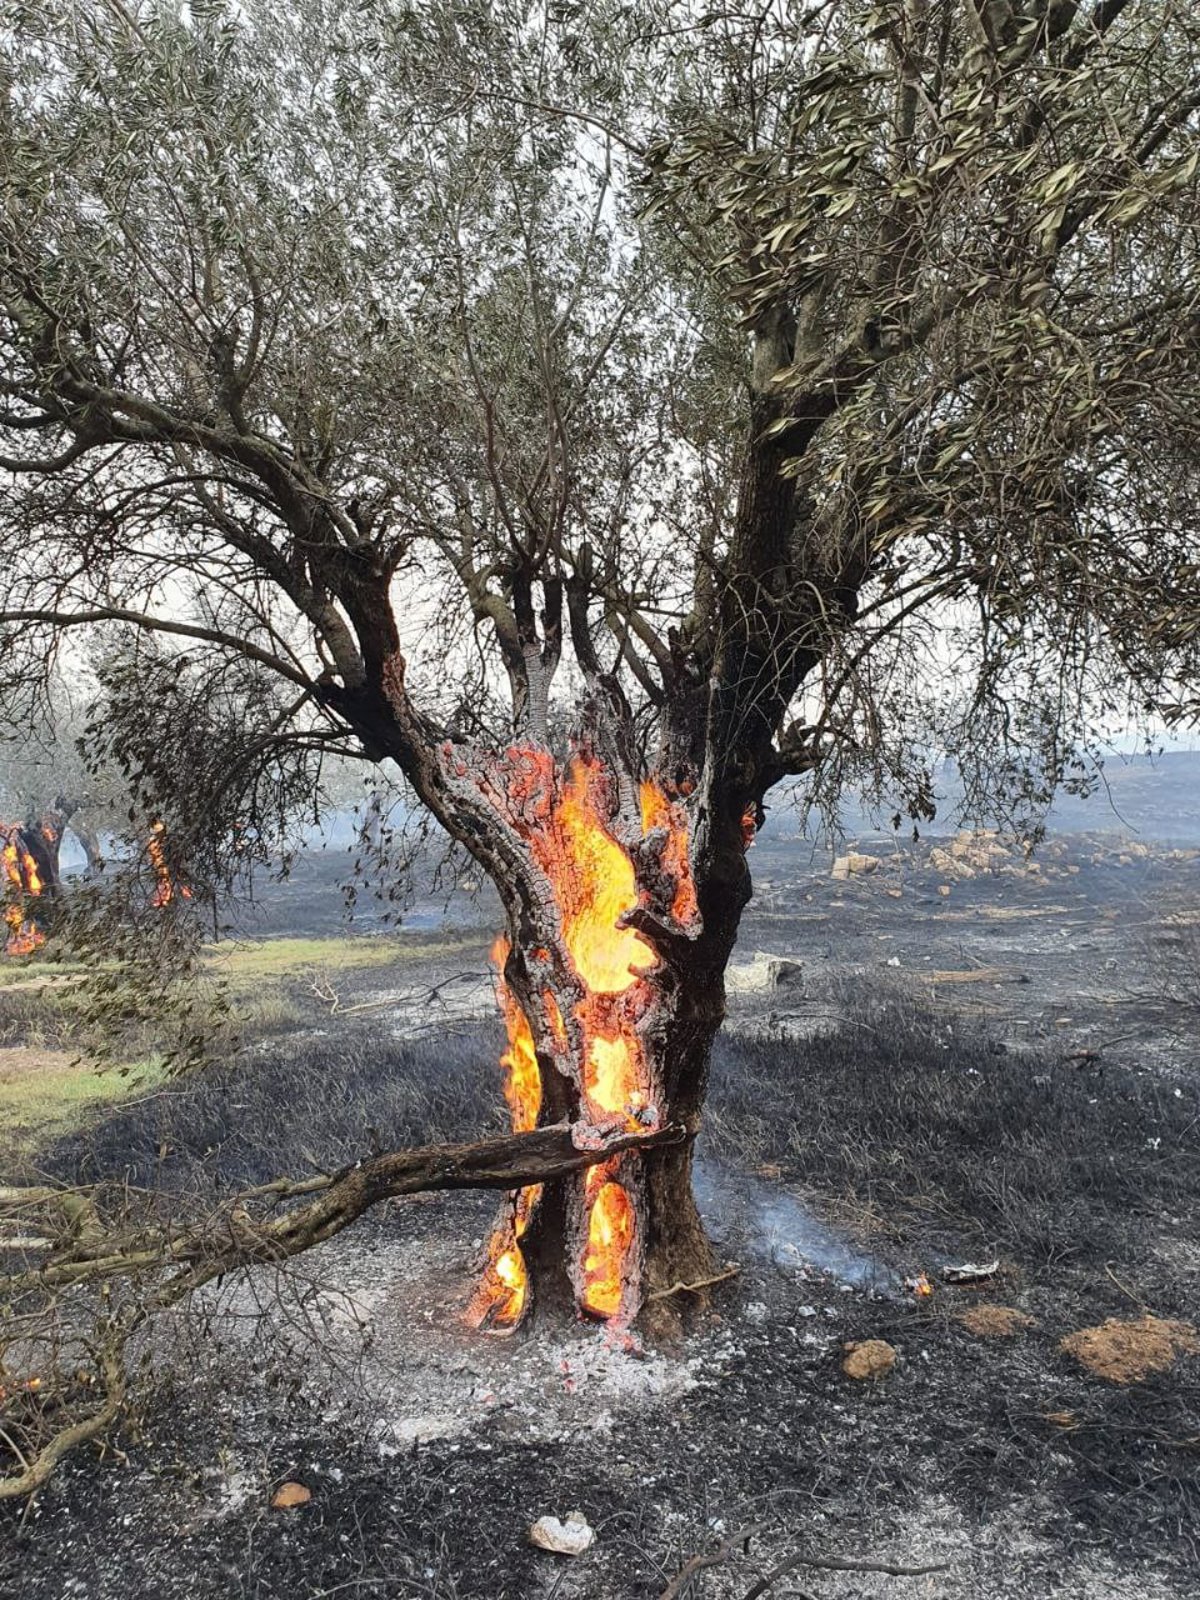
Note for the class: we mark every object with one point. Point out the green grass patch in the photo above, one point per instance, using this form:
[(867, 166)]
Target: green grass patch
[(46, 1023), (44, 1093), (289, 957)]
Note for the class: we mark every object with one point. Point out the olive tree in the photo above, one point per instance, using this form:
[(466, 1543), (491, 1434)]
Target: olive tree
[(606, 413)]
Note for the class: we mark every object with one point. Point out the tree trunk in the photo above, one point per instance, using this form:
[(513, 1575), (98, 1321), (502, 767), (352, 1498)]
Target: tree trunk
[(621, 917)]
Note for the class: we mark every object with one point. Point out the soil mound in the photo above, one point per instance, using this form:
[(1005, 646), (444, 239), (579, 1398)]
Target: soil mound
[(869, 1358), (994, 1322), (1125, 1351)]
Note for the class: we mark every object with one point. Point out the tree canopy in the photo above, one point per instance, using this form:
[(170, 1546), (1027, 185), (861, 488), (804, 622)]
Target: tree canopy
[(831, 366)]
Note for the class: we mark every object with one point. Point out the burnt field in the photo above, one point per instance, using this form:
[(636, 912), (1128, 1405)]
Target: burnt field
[(965, 1059)]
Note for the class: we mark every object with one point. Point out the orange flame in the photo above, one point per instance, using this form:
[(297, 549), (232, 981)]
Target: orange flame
[(24, 881), (522, 1076), (499, 1302), (568, 820), (611, 1226), (166, 888)]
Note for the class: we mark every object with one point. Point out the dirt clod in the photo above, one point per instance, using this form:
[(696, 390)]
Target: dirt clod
[(288, 1495), (995, 1322), (869, 1358), (1125, 1351)]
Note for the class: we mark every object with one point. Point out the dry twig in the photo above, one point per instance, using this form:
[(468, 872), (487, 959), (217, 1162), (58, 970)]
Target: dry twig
[(838, 1564), (717, 1557)]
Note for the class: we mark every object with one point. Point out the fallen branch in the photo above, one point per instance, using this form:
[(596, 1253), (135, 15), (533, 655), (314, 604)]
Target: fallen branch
[(87, 1253), (234, 1238), (838, 1564), (694, 1565), (37, 1471)]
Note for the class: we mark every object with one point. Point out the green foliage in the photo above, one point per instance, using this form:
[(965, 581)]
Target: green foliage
[(461, 300)]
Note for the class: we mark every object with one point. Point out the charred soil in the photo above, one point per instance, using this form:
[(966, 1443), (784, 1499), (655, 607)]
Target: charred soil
[(864, 1129)]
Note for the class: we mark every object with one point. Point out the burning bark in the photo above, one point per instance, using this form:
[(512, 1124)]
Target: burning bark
[(166, 888), (29, 854), (588, 997)]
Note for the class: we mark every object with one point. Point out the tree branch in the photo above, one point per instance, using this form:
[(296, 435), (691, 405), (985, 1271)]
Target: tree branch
[(142, 619)]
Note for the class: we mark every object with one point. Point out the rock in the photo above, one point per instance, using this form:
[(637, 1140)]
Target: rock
[(570, 1537), (868, 1358), (949, 866), (1128, 1350), (750, 976), (854, 865), (981, 849), (290, 1494), (783, 974)]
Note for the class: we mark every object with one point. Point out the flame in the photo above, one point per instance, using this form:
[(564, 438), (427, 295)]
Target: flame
[(24, 881), (166, 888), (569, 822), (522, 1076), (500, 1300), (594, 884), (611, 1225)]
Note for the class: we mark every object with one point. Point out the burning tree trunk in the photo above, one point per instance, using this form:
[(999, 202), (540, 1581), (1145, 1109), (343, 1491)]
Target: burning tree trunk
[(29, 853), (610, 981), (167, 888)]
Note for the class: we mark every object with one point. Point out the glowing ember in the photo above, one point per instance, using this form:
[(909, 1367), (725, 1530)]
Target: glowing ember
[(611, 1225), (165, 889), (660, 812), (749, 827), (23, 882)]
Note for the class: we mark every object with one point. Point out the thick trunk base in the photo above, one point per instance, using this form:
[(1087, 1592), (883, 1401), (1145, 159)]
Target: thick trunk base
[(673, 1256)]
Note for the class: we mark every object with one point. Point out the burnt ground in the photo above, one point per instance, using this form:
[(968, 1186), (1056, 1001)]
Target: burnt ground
[(1036, 1101)]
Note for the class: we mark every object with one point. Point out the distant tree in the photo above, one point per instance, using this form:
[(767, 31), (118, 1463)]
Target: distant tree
[(606, 413), (45, 775)]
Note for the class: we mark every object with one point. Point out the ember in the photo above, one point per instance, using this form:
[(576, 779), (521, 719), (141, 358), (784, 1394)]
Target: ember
[(165, 889)]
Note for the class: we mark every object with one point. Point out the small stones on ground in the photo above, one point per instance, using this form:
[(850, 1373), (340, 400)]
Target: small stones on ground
[(290, 1494), (1128, 1350), (995, 1322), (855, 864), (868, 1358), (570, 1537)]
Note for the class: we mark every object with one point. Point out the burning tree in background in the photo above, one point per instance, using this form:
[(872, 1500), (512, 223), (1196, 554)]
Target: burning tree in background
[(796, 394), (29, 852), (24, 883), (166, 887)]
